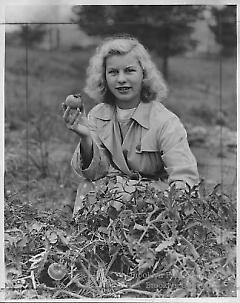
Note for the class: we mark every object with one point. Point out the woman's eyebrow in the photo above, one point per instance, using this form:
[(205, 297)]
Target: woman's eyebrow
[(115, 68), (111, 68), (131, 66)]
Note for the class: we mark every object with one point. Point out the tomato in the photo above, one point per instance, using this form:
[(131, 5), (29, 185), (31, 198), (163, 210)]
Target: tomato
[(74, 102), (57, 271)]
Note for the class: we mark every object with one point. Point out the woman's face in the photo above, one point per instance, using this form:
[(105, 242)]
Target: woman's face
[(124, 77)]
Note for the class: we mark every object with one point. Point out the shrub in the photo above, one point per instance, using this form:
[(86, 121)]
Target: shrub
[(204, 112)]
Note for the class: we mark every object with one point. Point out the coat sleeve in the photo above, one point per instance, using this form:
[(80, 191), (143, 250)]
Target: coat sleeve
[(178, 159), (99, 166)]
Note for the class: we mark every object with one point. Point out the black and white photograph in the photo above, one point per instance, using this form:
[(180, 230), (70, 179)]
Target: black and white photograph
[(120, 151)]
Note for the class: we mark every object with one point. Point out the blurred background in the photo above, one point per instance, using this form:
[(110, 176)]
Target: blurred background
[(47, 49)]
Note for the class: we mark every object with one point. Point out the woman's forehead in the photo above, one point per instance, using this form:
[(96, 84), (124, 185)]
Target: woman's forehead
[(128, 59)]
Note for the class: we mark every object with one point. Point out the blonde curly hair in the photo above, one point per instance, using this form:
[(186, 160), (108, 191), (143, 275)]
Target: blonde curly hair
[(153, 87)]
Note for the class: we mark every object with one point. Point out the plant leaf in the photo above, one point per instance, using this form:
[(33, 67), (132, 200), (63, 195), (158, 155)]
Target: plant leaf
[(138, 226), (178, 293), (165, 244), (52, 236)]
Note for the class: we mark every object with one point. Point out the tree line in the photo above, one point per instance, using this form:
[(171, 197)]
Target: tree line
[(163, 29)]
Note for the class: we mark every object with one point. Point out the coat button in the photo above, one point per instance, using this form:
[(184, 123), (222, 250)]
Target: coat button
[(138, 147)]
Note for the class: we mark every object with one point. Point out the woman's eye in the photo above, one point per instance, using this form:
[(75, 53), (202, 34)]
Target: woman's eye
[(112, 72), (130, 70)]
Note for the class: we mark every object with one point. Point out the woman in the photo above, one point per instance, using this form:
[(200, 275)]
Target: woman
[(129, 132)]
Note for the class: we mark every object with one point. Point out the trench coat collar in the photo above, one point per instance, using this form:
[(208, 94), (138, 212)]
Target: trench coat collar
[(112, 142), (141, 114)]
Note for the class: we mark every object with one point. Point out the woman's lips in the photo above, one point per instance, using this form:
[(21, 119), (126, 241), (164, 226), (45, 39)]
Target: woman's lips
[(123, 89)]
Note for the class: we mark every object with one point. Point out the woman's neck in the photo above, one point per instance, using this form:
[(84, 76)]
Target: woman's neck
[(127, 105)]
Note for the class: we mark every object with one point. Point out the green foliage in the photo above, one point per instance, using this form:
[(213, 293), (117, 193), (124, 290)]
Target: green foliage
[(225, 29), (156, 244), (165, 29)]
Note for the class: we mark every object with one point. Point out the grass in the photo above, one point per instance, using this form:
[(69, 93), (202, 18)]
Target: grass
[(195, 82)]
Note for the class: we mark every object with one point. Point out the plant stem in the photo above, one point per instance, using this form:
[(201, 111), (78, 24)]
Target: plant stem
[(191, 246), (112, 261), (33, 280), (69, 293), (140, 292), (90, 276), (22, 278), (144, 233), (91, 243), (94, 266), (80, 285)]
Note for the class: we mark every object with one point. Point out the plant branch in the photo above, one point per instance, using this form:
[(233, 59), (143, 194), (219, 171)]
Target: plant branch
[(144, 232), (33, 280), (90, 276), (69, 293), (112, 261), (137, 291)]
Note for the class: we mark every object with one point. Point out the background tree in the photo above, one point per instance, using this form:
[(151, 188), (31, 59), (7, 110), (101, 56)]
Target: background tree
[(164, 29), (225, 29), (32, 34)]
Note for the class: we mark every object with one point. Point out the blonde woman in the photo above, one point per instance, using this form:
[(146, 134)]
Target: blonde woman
[(129, 132)]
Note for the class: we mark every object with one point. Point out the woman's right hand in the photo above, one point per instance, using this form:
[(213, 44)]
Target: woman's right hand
[(76, 121)]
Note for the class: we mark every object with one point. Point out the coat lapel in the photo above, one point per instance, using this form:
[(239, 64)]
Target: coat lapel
[(109, 133), (118, 156)]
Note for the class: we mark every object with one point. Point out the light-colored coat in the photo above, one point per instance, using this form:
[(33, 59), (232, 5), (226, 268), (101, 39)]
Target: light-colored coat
[(156, 141)]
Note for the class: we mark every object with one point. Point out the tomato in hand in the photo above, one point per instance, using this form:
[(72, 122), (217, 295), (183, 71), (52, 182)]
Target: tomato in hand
[(74, 102)]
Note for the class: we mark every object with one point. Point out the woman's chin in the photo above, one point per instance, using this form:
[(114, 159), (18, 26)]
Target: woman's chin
[(128, 98)]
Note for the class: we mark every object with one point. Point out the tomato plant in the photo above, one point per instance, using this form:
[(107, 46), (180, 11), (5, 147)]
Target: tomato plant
[(157, 244)]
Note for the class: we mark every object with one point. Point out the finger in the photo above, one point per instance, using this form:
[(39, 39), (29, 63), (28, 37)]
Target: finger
[(66, 114), (75, 117), (71, 127), (63, 107), (83, 110), (81, 119)]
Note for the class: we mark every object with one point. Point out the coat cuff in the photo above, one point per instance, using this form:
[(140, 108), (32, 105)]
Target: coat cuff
[(90, 171), (180, 176)]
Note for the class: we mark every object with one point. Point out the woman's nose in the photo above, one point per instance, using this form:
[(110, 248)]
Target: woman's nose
[(121, 77)]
